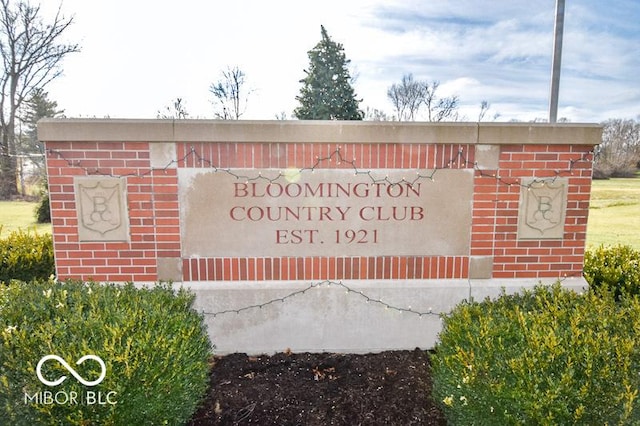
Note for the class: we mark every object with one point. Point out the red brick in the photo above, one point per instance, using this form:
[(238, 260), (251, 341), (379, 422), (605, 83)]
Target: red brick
[(364, 269), (449, 267), (165, 253), (431, 264), (372, 270), (275, 269), (136, 146), (422, 267), (284, 268)]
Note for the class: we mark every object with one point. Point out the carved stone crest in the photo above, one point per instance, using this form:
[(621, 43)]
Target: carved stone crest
[(101, 207), (543, 205)]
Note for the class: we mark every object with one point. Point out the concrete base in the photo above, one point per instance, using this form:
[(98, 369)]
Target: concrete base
[(344, 317)]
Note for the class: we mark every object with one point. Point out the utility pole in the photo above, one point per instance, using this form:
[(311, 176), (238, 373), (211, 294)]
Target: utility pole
[(555, 64)]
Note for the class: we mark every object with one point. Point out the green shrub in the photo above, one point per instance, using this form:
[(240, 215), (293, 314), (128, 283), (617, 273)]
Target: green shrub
[(25, 256), (43, 211), (154, 346), (615, 267), (546, 357)]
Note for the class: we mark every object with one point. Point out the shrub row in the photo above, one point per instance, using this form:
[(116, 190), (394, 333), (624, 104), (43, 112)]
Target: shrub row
[(549, 356), (26, 255), (613, 267), (154, 346), (546, 357)]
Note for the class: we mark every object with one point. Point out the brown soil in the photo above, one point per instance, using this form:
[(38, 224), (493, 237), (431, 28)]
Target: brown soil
[(389, 388)]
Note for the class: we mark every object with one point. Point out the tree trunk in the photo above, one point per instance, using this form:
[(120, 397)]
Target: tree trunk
[(8, 167)]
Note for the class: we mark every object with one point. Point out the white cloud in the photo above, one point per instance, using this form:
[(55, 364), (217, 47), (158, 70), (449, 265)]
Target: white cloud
[(139, 55)]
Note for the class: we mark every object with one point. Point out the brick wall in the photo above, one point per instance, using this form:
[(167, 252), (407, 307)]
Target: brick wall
[(153, 233), (496, 202), (84, 148)]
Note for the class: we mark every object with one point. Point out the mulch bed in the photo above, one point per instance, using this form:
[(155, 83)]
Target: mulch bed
[(388, 388)]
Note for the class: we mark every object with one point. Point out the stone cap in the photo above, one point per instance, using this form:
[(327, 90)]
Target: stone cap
[(300, 131)]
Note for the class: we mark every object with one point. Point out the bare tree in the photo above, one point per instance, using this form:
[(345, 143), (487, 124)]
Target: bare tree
[(176, 111), (439, 109), (485, 106), (406, 97), (282, 116), (411, 95), (230, 99), (619, 153), (375, 114), (32, 53)]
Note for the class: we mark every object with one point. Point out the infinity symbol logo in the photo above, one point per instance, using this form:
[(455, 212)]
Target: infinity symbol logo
[(71, 370)]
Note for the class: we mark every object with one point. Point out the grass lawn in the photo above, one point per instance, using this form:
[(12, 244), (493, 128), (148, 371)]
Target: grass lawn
[(19, 214), (614, 216)]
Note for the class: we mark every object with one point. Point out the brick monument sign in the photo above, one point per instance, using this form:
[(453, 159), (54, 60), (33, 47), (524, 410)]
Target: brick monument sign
[(314, 236)]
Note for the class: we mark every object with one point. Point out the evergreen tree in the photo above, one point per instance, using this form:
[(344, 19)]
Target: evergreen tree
[(33, 109), (37, 106), (327, 93)]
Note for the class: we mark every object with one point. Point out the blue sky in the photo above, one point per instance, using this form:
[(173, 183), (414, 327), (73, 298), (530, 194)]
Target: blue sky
[(139, 55)]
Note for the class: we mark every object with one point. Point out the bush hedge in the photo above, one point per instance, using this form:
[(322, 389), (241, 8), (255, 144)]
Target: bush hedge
[(546, 357), (614, 267), (25, 256), (43, 210), (154, 346)]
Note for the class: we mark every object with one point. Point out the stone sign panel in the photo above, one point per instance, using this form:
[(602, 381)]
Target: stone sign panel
[(325, 212), (542, 209), (101, 209)]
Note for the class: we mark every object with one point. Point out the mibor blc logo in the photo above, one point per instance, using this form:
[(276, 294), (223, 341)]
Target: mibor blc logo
[(75, 374), (72, 397)]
